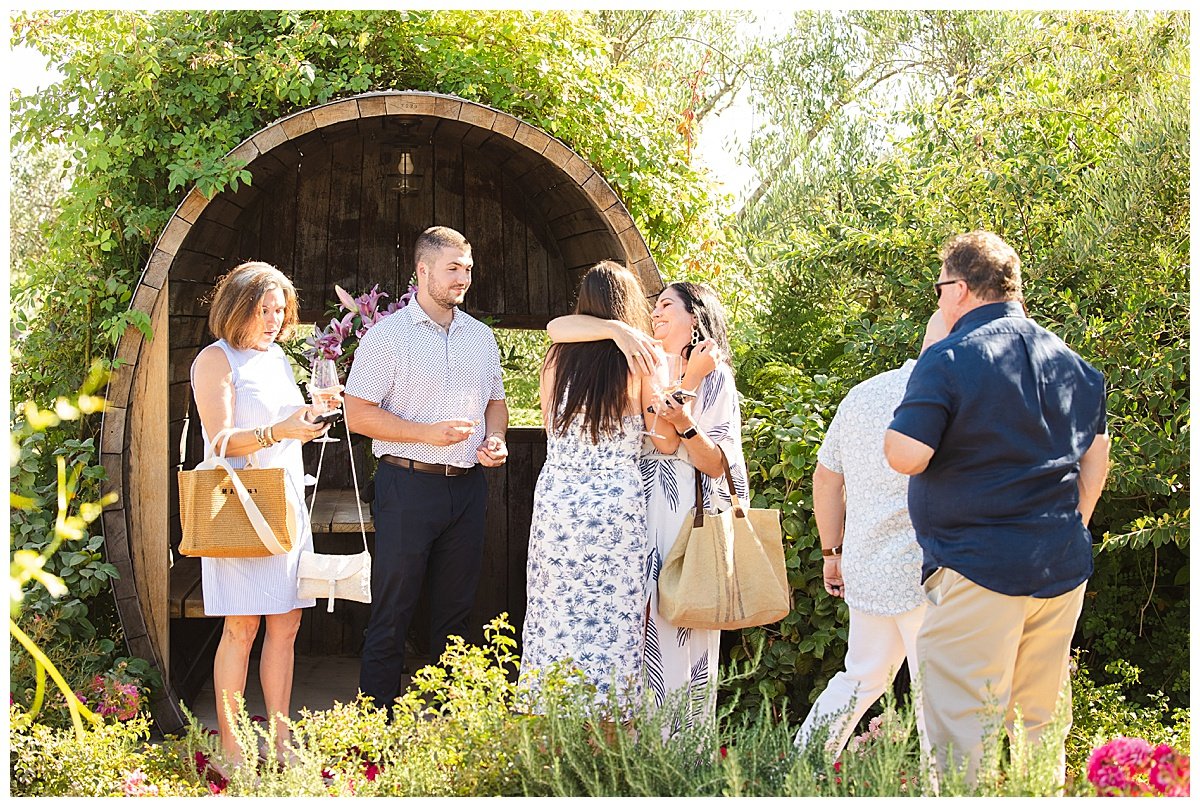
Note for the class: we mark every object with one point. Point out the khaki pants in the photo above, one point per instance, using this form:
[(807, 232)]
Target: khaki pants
[(983, 653)]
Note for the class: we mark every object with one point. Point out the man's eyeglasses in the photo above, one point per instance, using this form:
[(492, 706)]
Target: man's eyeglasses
[(937, 287)]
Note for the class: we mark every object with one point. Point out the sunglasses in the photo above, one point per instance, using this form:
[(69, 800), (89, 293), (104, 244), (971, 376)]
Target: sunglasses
[(937, 287)]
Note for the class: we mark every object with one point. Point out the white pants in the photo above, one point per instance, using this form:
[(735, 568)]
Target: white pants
[(874, 651)]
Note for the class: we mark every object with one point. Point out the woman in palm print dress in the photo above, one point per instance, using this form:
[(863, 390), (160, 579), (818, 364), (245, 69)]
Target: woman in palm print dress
[(588, 552), (680, 668)]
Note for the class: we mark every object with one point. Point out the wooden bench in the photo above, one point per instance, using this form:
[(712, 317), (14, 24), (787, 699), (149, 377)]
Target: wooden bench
[(335, 512)]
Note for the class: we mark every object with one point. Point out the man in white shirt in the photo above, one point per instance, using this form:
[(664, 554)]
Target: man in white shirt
[(871, 556), (426, 386)]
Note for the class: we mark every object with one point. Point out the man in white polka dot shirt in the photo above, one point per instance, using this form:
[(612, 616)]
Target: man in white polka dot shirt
[(426, 386)]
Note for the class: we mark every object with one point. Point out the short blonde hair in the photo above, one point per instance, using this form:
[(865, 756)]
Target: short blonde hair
[(238, 296)]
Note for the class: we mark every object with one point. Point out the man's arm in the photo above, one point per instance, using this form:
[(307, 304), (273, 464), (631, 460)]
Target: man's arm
[(1093, 471), (906, 455), (367, 418), (829, 508)]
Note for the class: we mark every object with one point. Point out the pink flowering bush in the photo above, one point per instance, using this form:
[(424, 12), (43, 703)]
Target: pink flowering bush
[(112, 697), (137, 784), (1130, 766), (1170, 772), (339, 338), (884, 727)]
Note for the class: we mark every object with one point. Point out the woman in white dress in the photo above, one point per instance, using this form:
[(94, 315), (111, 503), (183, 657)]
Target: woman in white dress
[(244, 382), (688, 320), (588, 552)]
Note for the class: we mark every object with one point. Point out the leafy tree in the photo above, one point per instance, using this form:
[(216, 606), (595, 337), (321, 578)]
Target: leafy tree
[(1068, 135), (150, 103)]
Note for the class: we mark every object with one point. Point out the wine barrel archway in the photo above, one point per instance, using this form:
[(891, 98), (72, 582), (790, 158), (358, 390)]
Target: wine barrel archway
[(339, 193)]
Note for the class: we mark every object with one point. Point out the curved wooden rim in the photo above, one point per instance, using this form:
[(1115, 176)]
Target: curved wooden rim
[(115, 437)]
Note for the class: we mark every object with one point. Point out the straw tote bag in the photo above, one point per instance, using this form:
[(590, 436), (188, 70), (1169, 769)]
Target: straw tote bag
[(228, 513), (725, 571), (341, 577)]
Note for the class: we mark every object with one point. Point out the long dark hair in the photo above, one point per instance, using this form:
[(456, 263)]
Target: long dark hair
[(592, 378), (702, 303)]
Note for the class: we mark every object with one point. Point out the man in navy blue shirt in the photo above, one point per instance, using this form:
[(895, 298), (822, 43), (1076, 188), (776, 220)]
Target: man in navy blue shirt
[(1002, 429)]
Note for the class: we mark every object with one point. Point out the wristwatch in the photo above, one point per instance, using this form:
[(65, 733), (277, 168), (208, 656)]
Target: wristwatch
[(689, 434)]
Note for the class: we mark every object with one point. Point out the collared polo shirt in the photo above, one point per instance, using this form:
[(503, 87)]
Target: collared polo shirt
[(881, 561), (412, 367), (1009, 410)]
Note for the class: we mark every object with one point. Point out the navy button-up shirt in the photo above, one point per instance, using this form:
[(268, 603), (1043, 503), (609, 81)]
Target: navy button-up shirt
[(1009, 410)]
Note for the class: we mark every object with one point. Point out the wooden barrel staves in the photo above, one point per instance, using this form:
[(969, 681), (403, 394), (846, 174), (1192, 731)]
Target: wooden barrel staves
[(339, 194)]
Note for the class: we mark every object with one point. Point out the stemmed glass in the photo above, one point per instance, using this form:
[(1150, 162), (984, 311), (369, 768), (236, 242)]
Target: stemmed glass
[(323, 389), (668, 374)]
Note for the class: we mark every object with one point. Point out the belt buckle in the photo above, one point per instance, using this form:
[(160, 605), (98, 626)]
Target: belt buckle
[(446, 470)]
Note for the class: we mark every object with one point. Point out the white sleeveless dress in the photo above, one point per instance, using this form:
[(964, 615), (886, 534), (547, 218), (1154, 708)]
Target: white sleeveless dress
[(265, 392)]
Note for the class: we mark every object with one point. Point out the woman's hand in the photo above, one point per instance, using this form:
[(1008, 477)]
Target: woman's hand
[(299, 426), (679, 415), (833, 576), (701, 361), (640, 349)]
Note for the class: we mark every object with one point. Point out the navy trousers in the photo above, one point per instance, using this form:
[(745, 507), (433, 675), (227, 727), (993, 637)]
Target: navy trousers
[(426, 525)]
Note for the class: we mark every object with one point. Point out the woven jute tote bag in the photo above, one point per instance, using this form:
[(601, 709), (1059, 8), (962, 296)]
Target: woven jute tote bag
[(725, 571), (227, 513)]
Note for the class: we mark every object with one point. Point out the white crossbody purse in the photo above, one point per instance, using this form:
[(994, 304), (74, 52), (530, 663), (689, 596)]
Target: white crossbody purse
[(340, 577)]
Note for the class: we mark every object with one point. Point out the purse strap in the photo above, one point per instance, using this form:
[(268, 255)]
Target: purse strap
[(265, 534), (738, 510), (251, 460), (353, 475)]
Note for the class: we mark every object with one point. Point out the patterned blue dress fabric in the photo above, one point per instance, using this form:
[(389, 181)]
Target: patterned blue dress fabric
[(588, 563)]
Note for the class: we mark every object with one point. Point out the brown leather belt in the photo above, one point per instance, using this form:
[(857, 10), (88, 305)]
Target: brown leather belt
[(426, 467)]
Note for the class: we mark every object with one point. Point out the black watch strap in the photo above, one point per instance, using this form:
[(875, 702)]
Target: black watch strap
[(689, 434)]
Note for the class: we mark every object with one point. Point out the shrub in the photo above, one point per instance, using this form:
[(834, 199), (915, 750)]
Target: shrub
[(465, 729), (784, 417), (106, 760), (1102, 712)]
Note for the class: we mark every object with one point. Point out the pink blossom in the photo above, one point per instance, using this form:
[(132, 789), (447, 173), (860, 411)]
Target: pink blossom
[(370, 771), (340, 337), (1170, 772), (136, 784), (345, 299), (114, 697), (368, 303), (1127, 766)]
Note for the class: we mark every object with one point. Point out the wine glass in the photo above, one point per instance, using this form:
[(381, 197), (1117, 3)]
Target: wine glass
[(674, 364), (322, 389), (667, 375)]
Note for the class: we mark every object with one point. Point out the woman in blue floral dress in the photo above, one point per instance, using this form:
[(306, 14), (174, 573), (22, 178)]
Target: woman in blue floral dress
[(680, 665), (588, 551)]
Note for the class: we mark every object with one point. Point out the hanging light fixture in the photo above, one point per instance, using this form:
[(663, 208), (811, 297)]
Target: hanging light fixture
[(409, 183)]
